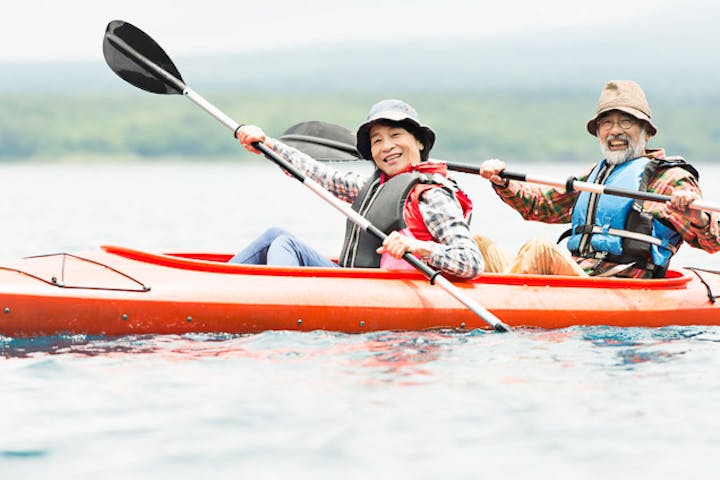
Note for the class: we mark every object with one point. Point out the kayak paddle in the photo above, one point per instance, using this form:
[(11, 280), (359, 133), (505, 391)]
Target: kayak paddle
[(328, 141), (136, 58), (573, 184)]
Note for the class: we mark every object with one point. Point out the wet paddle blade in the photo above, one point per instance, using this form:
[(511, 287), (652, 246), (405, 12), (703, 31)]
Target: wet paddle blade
[(139, 60)]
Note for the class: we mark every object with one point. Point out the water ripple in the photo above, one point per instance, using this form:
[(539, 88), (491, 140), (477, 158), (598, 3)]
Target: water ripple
[(21, 454)]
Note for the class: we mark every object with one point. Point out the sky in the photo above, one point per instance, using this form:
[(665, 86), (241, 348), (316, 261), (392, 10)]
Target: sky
[(52, 30)]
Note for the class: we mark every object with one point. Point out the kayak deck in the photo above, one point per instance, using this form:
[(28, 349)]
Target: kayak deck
[(118, 291)]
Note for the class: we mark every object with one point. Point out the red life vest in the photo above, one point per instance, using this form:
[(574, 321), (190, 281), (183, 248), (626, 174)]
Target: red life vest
[(392, 203), (412, 215)]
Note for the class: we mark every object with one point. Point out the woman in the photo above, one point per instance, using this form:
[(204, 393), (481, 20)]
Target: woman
[(407, 195)]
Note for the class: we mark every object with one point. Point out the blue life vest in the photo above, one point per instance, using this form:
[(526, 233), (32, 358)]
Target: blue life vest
[(616, 229)]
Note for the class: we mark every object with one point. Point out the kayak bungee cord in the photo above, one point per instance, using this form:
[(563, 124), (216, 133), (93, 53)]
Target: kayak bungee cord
[(136, 58), (59, 281)]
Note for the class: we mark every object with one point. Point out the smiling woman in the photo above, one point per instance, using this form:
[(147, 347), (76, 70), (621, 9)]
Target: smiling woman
[(410, 199), (391, 129), (411, 210), (136, 58)]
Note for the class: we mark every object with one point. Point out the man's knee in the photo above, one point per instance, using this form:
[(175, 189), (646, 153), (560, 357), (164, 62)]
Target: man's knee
[(495, 258), (537, 244)]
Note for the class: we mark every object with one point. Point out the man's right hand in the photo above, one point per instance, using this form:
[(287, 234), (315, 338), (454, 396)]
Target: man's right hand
[(491, 169)]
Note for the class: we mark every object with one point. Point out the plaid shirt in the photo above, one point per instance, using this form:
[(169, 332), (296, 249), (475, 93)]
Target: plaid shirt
[(551, 205), (454, 250)]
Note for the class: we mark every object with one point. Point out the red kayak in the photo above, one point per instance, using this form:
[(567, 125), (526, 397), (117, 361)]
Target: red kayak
[(120, 291)]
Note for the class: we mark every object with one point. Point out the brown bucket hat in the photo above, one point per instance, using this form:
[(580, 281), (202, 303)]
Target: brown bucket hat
[(626, 96)]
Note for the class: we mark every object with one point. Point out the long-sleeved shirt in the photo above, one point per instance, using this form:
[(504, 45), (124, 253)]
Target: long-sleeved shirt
[(454, 250), (551, 205)]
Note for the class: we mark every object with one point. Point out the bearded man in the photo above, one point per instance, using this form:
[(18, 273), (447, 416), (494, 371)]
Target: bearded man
[(611, 235)]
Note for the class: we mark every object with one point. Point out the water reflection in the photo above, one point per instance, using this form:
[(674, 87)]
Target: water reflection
[(635, 346), (406, 352), (392, 353), (91, 346)]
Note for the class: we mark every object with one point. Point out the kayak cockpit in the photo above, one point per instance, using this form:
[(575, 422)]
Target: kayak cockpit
[(217, 263)]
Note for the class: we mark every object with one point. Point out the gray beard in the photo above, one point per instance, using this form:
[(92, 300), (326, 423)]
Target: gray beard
[(632, 151)]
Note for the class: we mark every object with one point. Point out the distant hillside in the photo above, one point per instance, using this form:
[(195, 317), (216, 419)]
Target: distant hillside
[(672, 57), (523, 96), (515, 126)]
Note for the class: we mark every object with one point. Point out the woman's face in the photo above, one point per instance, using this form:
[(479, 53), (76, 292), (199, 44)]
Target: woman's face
[(394, 149)]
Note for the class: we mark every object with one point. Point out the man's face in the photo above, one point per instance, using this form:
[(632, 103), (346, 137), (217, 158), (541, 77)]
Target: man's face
[(622, 136)]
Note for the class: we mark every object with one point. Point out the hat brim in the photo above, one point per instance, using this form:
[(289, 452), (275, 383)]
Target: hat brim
[(592, 123)]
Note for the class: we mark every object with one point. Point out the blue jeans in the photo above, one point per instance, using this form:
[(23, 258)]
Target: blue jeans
[(278, 247)]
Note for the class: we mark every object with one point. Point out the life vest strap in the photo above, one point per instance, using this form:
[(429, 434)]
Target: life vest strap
[(604, 229)]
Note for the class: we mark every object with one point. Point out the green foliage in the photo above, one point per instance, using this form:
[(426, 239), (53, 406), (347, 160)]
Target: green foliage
[(538, 126)]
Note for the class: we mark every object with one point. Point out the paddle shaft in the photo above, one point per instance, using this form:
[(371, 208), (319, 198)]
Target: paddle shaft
[(573, 184), (570, 184)]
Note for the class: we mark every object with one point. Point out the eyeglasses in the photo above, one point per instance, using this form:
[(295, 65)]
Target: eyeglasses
[(624, 123)]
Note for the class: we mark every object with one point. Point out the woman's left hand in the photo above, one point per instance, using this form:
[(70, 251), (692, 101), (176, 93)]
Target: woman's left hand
[(396, 245), (679, 201)]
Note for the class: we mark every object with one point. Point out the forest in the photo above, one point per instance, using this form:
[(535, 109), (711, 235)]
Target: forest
[(541, 125)]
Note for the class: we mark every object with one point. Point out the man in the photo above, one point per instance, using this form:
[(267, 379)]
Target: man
[(424, 212), (611, 235)]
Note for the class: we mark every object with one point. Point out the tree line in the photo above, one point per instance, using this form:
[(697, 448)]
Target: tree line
[(528, 126)]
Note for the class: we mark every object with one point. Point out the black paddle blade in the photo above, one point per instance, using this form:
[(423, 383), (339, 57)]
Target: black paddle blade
[(139, 60), (323, 141)]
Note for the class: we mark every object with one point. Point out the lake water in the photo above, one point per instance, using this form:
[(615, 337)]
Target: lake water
[(579, 403)]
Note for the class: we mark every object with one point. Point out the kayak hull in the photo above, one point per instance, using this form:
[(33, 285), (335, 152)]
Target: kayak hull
[(120, 291)]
